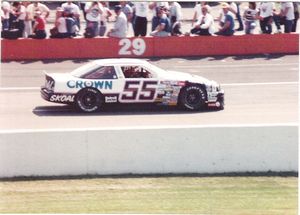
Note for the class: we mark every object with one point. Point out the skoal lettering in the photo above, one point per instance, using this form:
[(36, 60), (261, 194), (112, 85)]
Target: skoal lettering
[(62, 98)]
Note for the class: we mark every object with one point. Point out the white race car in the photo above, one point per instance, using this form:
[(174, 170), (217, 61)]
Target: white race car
[(97, 83)]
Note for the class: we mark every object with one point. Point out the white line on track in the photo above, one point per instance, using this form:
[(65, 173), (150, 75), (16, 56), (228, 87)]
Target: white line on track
[(257, 84), (237, 65), (11, 131), (225, 84)]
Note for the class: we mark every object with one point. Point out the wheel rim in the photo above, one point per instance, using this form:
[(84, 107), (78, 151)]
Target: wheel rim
[(193, 97), (89, 100)]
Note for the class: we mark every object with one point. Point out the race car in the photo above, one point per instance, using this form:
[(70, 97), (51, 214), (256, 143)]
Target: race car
[(105, 81)]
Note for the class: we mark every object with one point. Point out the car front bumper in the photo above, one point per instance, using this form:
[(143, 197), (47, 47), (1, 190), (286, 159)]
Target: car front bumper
[(219, 102)]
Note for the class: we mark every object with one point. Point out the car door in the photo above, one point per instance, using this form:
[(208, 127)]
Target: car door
[(139, 84)]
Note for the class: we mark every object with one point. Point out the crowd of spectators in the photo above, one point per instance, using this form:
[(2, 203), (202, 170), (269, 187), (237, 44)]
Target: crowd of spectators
[(28, 20)]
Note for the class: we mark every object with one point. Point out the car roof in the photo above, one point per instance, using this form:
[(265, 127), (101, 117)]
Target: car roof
[(121, 61)]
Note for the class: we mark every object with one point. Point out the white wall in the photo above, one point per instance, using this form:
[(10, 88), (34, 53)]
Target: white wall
[(143, 151)]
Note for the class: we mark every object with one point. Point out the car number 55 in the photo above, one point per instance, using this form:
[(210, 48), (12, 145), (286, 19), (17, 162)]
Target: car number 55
[(139, 91)]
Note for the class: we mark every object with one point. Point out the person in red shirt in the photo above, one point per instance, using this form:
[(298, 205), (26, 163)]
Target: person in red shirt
[(39, 26)]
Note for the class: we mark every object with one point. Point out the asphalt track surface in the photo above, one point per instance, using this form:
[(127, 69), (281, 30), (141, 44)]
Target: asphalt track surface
[(259, 90)]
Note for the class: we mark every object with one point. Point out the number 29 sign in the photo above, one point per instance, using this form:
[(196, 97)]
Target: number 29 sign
[(135, 47)]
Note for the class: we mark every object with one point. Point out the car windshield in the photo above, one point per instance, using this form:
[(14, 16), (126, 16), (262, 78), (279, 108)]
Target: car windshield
[(84, 69)]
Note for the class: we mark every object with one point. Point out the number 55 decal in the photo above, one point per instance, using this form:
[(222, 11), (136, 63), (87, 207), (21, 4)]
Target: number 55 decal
[(135, 91)]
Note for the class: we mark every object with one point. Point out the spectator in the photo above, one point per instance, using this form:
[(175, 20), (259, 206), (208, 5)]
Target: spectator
[(82, 7), (72, 26), (140, 22), (175, 18), (72, 10), (93, 12), (103, 19), (250, 15), (227, 28), (205, 24), (37, 6), (39, 26), (127, 10), (154, 6), (60, 24), (31, 9), (28, 20), (163, 28), (265, 14), (19, 12), (5, 11), (285, 17), (239, 18), (232, 11), (120, 27), (197, 12), (296, 14)]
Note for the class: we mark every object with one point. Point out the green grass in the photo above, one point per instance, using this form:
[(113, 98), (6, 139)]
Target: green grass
[(206, 195)]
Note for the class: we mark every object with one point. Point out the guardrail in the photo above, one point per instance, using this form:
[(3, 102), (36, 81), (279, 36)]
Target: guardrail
[(80, 48), (162, 150)]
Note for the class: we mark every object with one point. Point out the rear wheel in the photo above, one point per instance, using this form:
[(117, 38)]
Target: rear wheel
[(88, 100), (192, 97)]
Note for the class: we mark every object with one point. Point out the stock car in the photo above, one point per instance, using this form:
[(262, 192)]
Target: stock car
[(104, 81)]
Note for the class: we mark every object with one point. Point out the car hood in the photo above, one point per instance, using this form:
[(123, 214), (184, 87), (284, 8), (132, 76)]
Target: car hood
[(182, 76)]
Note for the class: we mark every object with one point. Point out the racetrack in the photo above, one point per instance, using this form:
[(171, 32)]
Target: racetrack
[(258, 90)]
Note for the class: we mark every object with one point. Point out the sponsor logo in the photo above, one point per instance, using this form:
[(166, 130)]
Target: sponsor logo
[(49, 85), (62, 98), (111, 99), (95, 84)]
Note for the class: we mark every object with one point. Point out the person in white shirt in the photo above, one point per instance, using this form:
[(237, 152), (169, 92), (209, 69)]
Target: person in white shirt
[(265, 16), (197, 12), (128, 11), (5, 11), (205, 24), (140, 20), (154, 6), (120, 27), (103, 19), (93, 13), (285, 17), (60, 24), (71, 9), (37, 6)]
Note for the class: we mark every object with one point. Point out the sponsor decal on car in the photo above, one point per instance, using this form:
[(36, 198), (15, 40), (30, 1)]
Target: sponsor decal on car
[(111, 99), (95, 84), (62, 98)]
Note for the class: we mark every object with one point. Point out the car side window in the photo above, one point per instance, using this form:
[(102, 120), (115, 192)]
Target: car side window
[(135, 72), (103, 72)]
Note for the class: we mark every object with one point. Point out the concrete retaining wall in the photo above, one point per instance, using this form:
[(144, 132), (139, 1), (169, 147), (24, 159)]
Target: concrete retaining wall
[(79, 48), (146, 151)]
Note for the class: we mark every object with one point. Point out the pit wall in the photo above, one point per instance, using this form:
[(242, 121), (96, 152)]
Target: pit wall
[(148, 151), (80, 48)]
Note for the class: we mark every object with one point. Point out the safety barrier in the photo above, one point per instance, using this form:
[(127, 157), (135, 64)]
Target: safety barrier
[(79, 48), (162, 150)]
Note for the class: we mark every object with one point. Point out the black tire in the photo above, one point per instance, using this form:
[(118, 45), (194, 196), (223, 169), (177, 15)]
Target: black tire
[(193, 97), (88, 100)]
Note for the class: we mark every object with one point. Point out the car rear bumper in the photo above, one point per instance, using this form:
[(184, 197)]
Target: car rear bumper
[(57, 97), (46, 94)]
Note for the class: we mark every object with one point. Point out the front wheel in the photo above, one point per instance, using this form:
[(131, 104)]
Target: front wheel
[(88, 100), (192, 97)]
